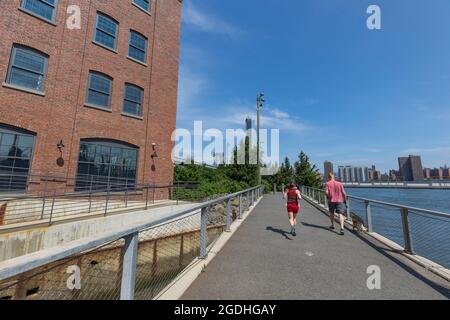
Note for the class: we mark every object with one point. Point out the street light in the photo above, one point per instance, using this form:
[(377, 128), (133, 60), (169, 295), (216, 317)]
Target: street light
[(259, 104)]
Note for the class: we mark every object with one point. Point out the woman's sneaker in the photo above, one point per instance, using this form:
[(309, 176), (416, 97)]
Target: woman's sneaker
[(293, 232)]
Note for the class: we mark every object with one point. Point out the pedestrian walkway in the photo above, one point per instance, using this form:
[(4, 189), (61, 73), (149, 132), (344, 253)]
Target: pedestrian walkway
[(264, 261)]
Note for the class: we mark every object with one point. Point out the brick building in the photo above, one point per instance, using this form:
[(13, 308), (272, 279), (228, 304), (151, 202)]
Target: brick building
[(95, 104)]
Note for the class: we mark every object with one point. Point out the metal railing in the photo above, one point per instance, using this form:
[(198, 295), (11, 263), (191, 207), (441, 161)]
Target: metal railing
[(419, 231), (137, 262), (60, 203)]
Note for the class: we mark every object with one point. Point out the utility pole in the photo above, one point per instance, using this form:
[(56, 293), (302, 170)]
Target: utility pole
[(259, 104)]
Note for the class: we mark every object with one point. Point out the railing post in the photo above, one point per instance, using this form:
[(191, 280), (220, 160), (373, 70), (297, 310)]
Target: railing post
[(228, 210), (129, 267), (248, 200), (146, 198), (369, 217), (126, 198), (178, 190), (253, 197), (203, 233), (406, 231), (240, 207), (107, 200), (349, 214), (53, 205), (274, 188)]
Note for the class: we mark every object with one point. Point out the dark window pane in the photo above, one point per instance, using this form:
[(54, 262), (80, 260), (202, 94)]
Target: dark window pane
[(8, 139), (132, 108), (108, 170), (106, 31), (98, 99), (29, 60), (27, 68), (100, 83), (25, 142), (137, 46), (105, 39), (144, 4), (26, 79), (43, 8)]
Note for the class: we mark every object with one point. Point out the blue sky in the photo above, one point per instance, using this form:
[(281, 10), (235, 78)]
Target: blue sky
[(335, 89)]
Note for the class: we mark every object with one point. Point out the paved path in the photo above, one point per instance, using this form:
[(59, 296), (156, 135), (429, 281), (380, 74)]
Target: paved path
[(263, 261)]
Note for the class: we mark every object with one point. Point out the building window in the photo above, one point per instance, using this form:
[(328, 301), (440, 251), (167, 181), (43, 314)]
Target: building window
[(106, 164), (106, 31), (99, 90), (143, 4), (137, 46), (45, 9), (132, 103), (16, 149), (27, 68)]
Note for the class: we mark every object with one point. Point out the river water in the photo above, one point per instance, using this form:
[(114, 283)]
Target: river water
[(430, 235)]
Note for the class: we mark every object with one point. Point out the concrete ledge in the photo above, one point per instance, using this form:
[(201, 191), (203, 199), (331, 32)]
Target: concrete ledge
[(422, 261), (183, 281)]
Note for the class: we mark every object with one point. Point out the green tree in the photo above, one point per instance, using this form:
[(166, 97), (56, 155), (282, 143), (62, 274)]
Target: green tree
[(306, 174)]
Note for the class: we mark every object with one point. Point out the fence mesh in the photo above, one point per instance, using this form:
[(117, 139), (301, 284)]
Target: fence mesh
[(387, 221), (98, 272), (358, 209), (431, 237)]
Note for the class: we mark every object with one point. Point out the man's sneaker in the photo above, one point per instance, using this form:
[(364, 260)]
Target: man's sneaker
[(331, 227), (342, 232)]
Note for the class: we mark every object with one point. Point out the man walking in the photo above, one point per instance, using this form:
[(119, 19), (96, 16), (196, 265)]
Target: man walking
[(336, 198)]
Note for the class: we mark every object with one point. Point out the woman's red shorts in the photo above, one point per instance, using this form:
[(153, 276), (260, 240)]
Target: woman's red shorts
[(292, 207)]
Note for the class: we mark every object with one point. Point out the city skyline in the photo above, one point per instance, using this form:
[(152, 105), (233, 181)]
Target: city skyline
[(335, 89)]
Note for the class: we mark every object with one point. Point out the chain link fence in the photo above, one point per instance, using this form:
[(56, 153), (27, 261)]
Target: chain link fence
[(163, 251), (419, 231)]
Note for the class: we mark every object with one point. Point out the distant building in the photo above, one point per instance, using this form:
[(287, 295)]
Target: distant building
[(437, 174), (248, 128), (446, 173), (328, 168), (395, 175), (353, 174), (427, 174), (410, 168)]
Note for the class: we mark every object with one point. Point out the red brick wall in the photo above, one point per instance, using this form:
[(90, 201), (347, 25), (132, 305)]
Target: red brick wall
[(61, 114)]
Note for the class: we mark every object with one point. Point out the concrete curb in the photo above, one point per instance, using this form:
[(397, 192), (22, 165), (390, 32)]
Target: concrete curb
[(423, 262), (183, 281)]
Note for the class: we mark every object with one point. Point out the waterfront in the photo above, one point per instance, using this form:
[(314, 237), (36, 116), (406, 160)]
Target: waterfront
[(430, 234), (431, 199)]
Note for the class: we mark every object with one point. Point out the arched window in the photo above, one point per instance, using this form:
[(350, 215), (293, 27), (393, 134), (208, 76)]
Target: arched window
[(16, 150), (104, 164)]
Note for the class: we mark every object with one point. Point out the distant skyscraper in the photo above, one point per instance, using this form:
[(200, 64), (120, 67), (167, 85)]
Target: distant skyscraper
[(328, 168), (248, 124), (411, 168), (248, 129)]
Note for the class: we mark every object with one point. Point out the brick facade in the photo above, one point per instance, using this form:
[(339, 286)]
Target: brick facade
[(61, 113)]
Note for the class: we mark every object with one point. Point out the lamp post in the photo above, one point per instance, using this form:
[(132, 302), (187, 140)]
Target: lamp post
[(259, 104)]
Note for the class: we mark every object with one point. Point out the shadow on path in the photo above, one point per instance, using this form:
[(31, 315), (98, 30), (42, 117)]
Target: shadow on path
[(388, 253), (279, 231), (385, 251), (316, 226)]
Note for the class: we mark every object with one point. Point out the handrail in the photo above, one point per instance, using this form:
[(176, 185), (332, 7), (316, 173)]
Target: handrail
[(16, 266), (399, 206)]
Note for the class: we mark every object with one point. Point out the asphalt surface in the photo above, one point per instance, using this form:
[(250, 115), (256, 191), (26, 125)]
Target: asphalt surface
[(263, 261)]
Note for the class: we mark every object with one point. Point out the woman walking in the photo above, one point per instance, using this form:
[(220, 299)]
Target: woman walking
[(293, 196)]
